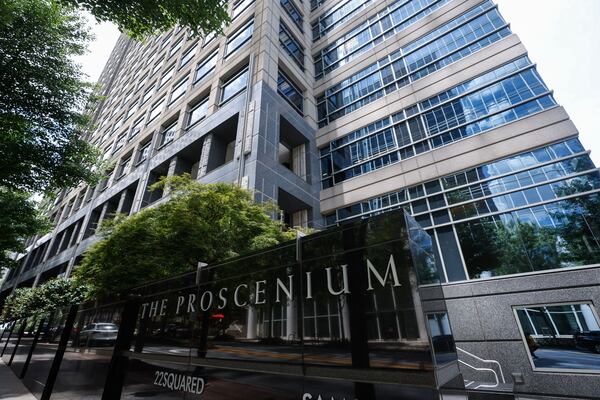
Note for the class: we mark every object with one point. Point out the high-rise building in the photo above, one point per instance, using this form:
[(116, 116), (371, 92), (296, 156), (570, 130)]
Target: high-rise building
[(340, 109)]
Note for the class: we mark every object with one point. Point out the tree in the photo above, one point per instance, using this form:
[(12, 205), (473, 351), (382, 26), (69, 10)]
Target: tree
[(55, 293), (42, 95), (140, 18), (205, 223)]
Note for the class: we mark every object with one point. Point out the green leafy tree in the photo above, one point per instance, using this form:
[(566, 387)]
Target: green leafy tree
[(42, 95), (55, 293), (206, 223), (140, 18)]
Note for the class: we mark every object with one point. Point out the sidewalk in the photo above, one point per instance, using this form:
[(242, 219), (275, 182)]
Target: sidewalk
[(11, 387)]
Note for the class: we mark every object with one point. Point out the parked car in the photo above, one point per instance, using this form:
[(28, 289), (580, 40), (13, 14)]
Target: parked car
[(589, 340), (98, 334)]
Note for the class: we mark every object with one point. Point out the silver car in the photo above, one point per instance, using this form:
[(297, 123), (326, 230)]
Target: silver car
[(98, 334)]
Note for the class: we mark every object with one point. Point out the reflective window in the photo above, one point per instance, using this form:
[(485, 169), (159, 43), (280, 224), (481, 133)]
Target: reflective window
[(167, 134), (293, 12), (561, 336), (175, 48), (148, 94), (188, 55), (144, 151), (136, 127), (121, 140), (206, 67), (290, 92), (239, 6), (178, 90), (336, 15), (392, 20), (167, 76), (239, 38), (291, 45), (234, 85), (198, 112), (472, 31), (533, 211), (498, 97), (156, 110), (124, 166)]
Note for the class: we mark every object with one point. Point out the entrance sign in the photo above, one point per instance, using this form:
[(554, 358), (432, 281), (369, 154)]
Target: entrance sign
[(353, 312)]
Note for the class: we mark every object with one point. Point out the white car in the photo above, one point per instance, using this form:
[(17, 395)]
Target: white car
[(98, 334)]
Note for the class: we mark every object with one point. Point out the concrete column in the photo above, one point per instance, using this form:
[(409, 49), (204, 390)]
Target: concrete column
[(203, 165), (345, 313), (300, 218), (299, 160), (121, 201), (291, 331), (102, 214), (251, 325)]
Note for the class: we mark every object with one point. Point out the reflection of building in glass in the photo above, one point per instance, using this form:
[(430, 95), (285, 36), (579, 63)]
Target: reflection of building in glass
[(554, 321)]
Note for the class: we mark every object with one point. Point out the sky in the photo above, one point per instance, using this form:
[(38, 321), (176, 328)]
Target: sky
[(561, 36)]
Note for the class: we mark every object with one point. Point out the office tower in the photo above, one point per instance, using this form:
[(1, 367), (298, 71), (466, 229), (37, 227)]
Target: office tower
[(343, 109)]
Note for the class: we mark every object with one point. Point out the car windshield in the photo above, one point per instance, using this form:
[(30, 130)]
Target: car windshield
[(106, 327)]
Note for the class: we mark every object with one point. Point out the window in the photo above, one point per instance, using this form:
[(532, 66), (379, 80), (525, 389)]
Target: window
[(290, 92), (239, 7), (156, 110), (178, 90), (477, 28), (198, 112), (166, 40), (136, 127), (337, 15), (561, 336), (206, 67), (239, 38), (167, 134), (167, 76), (120, 142), (123, 167), (118, 124), (157, 67), (175, 47), (132, 109), (390, 21), (291, 45), (234, 85), (144, 151), (188, 55), (293, 12), (209, 38), (148, 94)]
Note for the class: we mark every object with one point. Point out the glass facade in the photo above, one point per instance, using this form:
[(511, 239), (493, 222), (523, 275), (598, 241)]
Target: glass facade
[(239, 7), (291, 46), (290, 91), (472, 31), (239, 38), (336, 16), (372, 32), (292, 11), (508, 93), (198, 112), (533, 211), (561, 337), (206, 67), (234, 85)]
